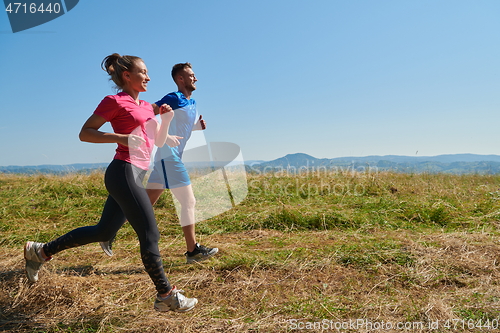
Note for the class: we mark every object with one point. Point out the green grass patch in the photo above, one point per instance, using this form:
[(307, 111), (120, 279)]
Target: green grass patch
[(380, 246)]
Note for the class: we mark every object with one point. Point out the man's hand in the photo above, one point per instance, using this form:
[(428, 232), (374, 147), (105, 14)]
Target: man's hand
[(200, 124), (173, 140)]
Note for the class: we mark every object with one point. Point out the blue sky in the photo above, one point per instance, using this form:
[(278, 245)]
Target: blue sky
[(328, 78)]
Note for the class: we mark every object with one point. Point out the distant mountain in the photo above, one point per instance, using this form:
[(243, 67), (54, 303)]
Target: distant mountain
[(412, 159), (53, 169), (456, 163), (300, 162), (297, 160)]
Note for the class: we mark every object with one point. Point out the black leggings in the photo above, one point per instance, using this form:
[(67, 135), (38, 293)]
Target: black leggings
[(127, 200)]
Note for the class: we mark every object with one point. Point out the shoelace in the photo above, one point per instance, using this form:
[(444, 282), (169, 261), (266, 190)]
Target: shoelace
[(203, 249), (180, 297), (176, 292)]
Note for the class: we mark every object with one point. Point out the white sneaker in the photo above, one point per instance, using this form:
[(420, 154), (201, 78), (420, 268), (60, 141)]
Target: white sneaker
[(34, 260), (175, 302)]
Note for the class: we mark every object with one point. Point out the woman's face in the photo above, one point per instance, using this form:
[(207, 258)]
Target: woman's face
[(137, 79)]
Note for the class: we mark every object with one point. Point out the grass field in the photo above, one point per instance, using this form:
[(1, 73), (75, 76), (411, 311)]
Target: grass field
[(347, 252)]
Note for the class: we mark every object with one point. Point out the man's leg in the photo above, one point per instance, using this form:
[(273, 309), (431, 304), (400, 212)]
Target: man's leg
[(154, 193), (186, 198), (195, 252)]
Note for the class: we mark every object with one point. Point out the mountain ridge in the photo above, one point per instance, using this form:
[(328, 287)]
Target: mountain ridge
[(465, 157), (450, 163)]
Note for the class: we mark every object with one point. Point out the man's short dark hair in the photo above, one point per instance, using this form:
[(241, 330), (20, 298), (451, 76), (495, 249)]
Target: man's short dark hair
[(179, 67)]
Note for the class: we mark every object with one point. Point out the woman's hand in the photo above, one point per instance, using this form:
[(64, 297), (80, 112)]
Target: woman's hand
[(166, 113), (162, 137)]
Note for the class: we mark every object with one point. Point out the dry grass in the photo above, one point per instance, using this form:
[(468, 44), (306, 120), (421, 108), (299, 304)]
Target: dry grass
[(267, 280)]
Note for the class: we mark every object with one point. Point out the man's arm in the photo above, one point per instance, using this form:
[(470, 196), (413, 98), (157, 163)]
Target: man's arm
[(156, 109)]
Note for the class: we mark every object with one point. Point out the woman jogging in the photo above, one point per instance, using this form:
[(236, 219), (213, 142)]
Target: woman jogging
[(135, 131)]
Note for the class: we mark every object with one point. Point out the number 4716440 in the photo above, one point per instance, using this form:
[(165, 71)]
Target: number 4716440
[(32, 8)]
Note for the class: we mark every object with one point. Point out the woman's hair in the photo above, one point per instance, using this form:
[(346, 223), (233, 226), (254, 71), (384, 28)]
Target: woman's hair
[(116, 64)]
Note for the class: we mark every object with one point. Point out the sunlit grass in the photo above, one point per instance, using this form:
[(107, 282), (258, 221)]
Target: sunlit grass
[(378, 246)]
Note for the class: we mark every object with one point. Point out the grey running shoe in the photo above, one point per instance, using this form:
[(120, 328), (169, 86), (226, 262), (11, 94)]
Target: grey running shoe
[(106, 247), (34, 260), (200, 253), (175, 302)]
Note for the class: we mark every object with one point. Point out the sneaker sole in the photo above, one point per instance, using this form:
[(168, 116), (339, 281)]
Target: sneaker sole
[(177, 310)]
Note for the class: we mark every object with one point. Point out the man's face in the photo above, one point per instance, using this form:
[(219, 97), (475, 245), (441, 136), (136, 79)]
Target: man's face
[(188, 79)]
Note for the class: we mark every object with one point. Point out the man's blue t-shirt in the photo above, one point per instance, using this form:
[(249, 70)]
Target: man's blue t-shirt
[(181, 125)]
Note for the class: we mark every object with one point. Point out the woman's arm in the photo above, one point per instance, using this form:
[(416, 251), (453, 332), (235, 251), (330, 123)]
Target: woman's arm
[(90, 133)]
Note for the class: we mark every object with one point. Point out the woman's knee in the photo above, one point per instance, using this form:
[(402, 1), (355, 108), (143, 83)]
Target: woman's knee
[(104, 231)]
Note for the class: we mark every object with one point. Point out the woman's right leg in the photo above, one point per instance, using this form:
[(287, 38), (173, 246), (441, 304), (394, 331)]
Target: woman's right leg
[(112, 219), (36, 254)]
